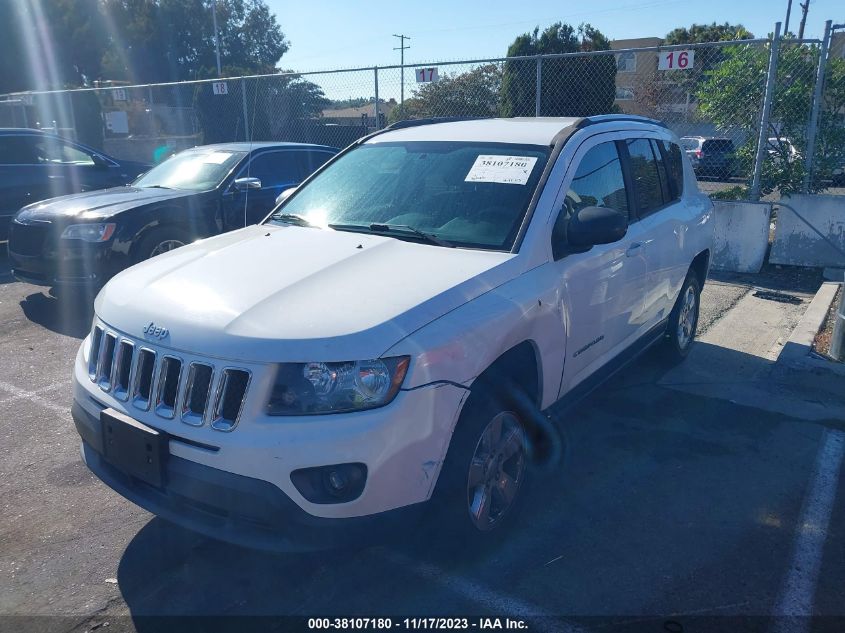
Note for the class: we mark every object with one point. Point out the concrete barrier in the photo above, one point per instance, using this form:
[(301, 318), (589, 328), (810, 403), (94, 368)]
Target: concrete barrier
[(815, 236), (741, 235)]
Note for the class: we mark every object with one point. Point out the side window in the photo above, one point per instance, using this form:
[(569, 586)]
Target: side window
[(275, 169), (598, 182), (312, 161), (674, 168), (56, 152), (17, 150), (644, 172)]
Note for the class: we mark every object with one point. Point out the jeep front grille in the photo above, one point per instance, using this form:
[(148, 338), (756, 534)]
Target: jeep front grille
[(165, 383)]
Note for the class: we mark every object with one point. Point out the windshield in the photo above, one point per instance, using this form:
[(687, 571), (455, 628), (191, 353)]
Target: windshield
[(192, 170), (467, 194)]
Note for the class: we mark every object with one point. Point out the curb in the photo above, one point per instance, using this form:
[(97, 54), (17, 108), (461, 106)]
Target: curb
[(795, 360)]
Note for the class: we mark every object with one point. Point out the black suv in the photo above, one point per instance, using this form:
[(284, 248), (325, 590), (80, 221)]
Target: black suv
[(711, 157), (35, 165)]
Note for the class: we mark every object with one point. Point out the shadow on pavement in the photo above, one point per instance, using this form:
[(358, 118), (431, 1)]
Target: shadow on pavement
[(670, 503), (70, 316)]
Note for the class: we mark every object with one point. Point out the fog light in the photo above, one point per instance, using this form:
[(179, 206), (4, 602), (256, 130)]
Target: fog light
[(337, 483)]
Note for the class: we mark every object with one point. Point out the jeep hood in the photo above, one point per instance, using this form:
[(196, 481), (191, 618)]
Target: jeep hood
[(288, 293)]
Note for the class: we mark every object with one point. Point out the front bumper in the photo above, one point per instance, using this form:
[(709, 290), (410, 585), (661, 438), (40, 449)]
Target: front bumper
[(88, 265), (38, 256), (234, 508), (402, 446)]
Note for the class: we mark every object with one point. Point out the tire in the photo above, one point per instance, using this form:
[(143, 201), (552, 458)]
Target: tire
[(484, 479), (161, 240), (683, 321)]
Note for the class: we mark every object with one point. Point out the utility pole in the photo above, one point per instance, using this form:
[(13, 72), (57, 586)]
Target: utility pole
[(788, 12), (401, 48), (805, 6), (216, 36)]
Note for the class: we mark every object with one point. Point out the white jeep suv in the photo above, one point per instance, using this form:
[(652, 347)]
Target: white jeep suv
[(393, 331)]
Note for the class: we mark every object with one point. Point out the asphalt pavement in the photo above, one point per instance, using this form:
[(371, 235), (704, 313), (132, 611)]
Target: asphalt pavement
[(676, 506)]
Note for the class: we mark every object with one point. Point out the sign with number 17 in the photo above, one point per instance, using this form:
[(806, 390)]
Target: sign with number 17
[(424, 75), (676, 60)]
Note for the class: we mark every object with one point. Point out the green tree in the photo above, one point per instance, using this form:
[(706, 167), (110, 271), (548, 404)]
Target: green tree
[(172, 40), (731, 96), (571, 86), (49, 45), (703, 33), (474, 93)]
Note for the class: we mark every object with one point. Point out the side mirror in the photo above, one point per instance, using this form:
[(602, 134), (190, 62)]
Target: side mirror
[(596, 225), (242, 184), (284, 195)]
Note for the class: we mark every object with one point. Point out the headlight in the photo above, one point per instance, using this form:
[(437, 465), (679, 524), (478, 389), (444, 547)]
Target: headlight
[(89, 232), (314, 388)]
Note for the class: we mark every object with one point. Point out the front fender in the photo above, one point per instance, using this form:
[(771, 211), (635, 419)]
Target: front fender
[(460, 345)]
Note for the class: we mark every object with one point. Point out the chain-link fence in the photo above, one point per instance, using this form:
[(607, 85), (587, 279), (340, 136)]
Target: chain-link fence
[(754, 116)]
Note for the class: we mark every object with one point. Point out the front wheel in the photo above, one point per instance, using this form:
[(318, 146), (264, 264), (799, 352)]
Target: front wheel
[(683, 321), (161, 240), (484, 477)]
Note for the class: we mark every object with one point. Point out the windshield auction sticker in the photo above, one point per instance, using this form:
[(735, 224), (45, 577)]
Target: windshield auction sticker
[(509, 170)]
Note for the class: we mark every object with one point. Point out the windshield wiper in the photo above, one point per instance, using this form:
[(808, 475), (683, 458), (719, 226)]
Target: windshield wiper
[(291, 218), (155, 187), (377, 227)]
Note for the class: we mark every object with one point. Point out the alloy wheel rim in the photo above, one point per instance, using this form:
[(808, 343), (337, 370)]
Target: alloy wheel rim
[(496, 471), (165, 246), (686, 319)]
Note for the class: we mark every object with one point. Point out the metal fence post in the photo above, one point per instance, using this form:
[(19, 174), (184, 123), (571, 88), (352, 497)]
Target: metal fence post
[(762, 141), (539, 82), (375, 83), (246, 110), (812, 127)]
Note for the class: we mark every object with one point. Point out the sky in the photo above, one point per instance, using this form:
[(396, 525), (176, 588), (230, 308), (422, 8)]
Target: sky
[(330, 34)]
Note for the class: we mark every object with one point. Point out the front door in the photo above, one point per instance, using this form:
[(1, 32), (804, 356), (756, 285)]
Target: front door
[(601, 290)]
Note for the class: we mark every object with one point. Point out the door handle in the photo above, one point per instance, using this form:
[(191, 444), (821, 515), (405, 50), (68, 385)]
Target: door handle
[(634, 249)]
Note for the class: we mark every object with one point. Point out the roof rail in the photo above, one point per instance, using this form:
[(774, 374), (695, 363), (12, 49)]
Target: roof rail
[(634, 118), (430, 120)]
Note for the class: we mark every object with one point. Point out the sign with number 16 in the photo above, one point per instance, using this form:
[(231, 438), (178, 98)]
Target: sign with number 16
[(676, 60)]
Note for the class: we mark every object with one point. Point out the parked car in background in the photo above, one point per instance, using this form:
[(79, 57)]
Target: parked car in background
[(35, 165), (386, 341), (85, 238), (781, 149), (711, 157)]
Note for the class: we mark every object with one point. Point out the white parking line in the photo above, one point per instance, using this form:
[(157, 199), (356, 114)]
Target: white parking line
[(501, 605), (798, 592), (26, 394), (32, 396)]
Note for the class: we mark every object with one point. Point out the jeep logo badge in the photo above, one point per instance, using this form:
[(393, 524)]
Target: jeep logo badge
[(155, 331)]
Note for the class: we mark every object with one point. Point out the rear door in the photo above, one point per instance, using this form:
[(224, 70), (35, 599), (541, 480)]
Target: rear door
[(657, 173), (601, 289)]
